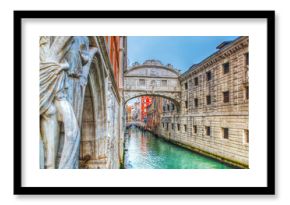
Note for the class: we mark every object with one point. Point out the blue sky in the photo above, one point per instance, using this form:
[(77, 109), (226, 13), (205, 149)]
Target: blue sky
[(180, 51)]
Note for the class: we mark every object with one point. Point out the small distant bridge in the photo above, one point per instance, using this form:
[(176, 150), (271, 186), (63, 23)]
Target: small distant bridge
[(137, 124)]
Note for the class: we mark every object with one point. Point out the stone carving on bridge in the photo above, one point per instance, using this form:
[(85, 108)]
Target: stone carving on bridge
[(64, 68)]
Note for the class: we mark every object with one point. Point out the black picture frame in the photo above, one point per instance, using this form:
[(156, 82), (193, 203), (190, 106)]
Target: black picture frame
[(268, 190)]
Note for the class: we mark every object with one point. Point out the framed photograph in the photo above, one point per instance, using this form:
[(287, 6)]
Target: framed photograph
[(144, 102)]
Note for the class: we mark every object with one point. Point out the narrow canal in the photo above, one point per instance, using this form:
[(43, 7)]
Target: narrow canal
[(143, 150)]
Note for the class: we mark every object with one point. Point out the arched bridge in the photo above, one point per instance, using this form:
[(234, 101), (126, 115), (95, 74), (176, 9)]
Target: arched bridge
[(152, 79)]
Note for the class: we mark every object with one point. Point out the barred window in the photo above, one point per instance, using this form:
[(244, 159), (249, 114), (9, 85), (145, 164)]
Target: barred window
[(194, 129), (196, 81), (226, 96), (164, 83), (225, 132), (226, 67), (247, 92), (195, 102), (246, 136), (141, 82), (185, 128), (208, 75), (247, 58), (208, 100), (207, 129)]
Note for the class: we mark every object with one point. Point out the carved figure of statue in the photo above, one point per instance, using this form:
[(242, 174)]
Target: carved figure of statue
[(55, 108)]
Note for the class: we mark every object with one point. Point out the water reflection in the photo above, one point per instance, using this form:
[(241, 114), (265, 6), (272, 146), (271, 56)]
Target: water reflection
[(145, 151)]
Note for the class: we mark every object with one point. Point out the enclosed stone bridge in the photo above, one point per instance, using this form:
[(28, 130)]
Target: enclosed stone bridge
[(152, 79)]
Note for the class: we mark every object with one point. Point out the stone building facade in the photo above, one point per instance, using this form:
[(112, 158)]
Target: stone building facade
[(103, 119), (154, 114), (214, 113)]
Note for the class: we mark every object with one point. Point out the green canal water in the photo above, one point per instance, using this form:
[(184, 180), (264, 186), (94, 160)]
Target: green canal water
[(143, 150)]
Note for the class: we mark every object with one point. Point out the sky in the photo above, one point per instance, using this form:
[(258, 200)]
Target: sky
[(180, 51)]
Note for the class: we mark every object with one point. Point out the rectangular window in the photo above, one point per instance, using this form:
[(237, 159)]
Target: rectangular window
[(163, 124), (172, 106), (208, 75), (186, 104), (207, 129), (172, 126), (164, 108), (194, 129), (226, 96), (168, 107), (247, 59), (167, 126), (164, 83), (246, 136), (185, 128), (185, 86), (247, 92), (208, 100), (195, 102), (225, 132), (142, 82), (226, 67), (178, 127), (196, 81)]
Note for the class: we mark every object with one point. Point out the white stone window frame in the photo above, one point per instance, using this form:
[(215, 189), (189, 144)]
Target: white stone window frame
[(185, 128), (186, 104), (194, 129), (206, 100), (185, 85), (206, 75), (245, 59), (245, 93), (178, 126), (210, 131), (139, 82), (244, 137), (223, 69), (195, 102), (229, 97), (197, 77), (223, 133), (166, 83)]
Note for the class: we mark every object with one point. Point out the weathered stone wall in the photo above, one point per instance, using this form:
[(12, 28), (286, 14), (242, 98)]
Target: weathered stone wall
[(217, 115), (102, 125)]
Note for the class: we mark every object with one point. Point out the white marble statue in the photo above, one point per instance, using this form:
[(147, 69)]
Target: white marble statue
[(62, 58)]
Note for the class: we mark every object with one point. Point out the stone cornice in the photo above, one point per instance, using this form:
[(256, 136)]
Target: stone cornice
[(141, 77), (223, 53), (150, 91), (152, 66)]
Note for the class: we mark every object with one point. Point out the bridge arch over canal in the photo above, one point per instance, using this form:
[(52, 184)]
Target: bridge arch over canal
[(152, 78)]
